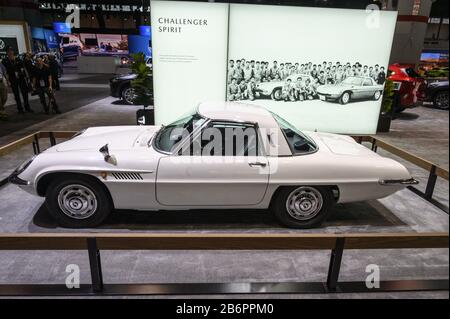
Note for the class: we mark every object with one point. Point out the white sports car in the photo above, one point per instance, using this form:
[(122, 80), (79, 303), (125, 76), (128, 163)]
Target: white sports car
[(352, 88), (223, 155)]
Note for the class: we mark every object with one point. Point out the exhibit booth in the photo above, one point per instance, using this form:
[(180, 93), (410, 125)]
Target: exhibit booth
[(305, 189)]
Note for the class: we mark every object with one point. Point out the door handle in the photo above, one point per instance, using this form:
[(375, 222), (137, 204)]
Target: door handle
[(262, 164)]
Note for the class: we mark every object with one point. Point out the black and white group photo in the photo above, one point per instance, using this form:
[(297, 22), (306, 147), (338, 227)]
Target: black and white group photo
[(290, 82)]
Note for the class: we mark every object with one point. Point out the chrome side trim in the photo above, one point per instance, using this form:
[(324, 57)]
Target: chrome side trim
[(409, 181)]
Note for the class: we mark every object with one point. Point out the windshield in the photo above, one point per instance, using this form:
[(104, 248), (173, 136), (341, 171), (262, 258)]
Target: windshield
[(411, 73), (352, 81), (169, 136), (298, 142)]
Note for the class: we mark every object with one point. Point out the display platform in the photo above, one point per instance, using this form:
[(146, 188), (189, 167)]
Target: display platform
[(197, 271), (402, 234), (401, 212)]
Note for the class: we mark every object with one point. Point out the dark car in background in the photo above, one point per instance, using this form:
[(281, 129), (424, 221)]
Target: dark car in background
[(437, 93), (120, 87)]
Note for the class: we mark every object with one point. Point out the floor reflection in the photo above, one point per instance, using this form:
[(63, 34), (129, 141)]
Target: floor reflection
[(344, 217)]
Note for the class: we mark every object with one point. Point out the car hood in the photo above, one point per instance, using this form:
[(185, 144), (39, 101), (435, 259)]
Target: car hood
[(130, 76), (117, 138), (328, 88), (341, 144)]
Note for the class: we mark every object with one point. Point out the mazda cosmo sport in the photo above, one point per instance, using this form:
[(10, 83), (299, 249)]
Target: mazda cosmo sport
[(222, 156), (351, 89)]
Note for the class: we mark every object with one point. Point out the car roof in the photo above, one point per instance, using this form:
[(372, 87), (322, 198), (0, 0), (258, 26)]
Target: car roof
[(237, 112)]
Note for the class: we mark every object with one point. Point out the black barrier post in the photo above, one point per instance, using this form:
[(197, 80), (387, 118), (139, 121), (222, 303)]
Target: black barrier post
[(431, 183), (36, 147), (95, 264), (374, 145), (52, 139), (335, 264)]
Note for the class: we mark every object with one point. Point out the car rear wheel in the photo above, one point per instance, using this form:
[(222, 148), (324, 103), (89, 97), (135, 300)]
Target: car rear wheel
[(276, 94), (303, 206), (345, 98), (440, 100), (128, 95), (377, 95), (77, 202)]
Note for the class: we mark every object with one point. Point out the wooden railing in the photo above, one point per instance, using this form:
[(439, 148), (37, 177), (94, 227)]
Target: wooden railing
[(337, 243)]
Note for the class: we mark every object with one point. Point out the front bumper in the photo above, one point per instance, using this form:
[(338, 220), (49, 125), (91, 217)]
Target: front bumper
[(394, 182), (16, 180), (328, 96)]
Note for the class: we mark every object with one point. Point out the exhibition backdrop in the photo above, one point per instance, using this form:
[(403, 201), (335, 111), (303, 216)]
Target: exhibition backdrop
[(317, 52), (189, 55), (12, 35)]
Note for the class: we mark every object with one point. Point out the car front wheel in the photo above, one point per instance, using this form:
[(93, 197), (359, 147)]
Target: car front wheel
[(377, 95), (77, 202), (276, 94), (440, 100), (303, 207), (128, 95), (345, 98)]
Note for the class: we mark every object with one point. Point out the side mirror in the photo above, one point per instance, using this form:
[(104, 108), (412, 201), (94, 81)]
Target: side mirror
[(106, 156)]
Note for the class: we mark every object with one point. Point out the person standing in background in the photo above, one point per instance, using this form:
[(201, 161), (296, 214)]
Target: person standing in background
[(248, 72), (53, 65), (17, 80), (43, 84), (29, 68), (381, 78), (3, 92), (230, 70)]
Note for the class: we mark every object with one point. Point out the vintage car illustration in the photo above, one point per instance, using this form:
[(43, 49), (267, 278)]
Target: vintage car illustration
[(297, 175), (352, 88), (274, 89)]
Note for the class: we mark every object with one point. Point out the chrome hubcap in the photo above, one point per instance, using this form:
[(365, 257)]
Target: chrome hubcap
[(346, 97), (304, 203), (442, 100), (377, 95), (129, 95), (77, 201)]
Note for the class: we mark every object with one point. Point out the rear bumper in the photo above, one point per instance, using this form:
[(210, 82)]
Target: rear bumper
[(391, 182)]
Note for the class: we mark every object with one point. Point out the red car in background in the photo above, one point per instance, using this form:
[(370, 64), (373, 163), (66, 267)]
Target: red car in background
[(410, 88)]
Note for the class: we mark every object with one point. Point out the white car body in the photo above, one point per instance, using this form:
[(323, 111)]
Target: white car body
[(143, 178), (363, 88)]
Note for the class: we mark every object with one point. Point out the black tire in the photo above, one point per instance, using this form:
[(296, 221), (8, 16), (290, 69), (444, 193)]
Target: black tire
[(377, 95), (440, 100), (276, 94), (126, 94), (279, 207), (345, 98), (102, 209)]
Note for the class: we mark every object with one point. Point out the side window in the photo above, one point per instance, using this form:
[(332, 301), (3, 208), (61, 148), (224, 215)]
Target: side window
[(225, 139), (368, 82)]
